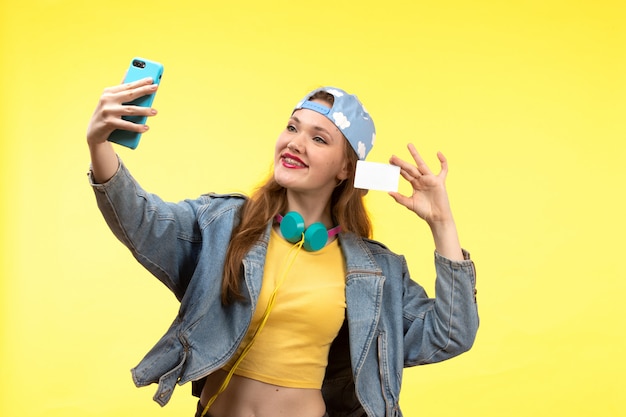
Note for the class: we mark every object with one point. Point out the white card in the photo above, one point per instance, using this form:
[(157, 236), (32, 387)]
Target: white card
[(376, 176)]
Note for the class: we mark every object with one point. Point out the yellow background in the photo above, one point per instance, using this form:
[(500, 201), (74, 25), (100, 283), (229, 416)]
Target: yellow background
[(525, 98)]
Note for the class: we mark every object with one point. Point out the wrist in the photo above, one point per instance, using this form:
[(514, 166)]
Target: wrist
[(104, 161), (441, 223), (446, 239)]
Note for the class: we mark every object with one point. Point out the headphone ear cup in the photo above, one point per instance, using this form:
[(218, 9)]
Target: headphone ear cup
[(292, 227), (315, 237)]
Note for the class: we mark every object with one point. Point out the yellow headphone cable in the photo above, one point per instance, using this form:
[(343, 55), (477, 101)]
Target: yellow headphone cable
[(266, 314)]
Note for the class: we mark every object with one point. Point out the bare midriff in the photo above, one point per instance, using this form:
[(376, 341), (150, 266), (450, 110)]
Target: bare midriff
[(245, 397)]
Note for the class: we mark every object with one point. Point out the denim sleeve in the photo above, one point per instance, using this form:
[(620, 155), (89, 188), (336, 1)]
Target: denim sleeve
[(439, 328), (164, 237)]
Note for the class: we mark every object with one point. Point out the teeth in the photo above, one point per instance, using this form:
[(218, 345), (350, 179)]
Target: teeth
[(293, 162)]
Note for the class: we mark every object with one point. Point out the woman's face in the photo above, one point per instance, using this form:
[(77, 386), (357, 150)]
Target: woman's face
[(310, 154)]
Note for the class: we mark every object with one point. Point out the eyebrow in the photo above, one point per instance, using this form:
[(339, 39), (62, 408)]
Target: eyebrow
[(318, 128)]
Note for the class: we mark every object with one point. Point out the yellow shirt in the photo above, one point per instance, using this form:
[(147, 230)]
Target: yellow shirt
[(292, 349)]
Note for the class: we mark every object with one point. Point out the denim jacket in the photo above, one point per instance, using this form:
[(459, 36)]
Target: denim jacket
[(390, 321)]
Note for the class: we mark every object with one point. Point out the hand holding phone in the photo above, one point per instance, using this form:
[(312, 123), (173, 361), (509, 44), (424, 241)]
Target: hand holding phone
[(138, 69)]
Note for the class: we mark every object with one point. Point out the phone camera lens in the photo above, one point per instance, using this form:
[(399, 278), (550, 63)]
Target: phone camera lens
[(139, 64)]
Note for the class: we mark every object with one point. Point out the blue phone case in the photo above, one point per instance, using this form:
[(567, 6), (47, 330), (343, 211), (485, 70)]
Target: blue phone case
[(139, 68)]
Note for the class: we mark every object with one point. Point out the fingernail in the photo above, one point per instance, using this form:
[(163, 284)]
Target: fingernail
[(153, 111)]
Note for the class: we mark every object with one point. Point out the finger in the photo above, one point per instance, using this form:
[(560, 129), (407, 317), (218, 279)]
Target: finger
[(131, 85), (123, 124), (401, 199), (104, 127), (408, 168), (133, 127), (410, 178), (130, 110), (128, 95), (119, 110), (122, 94), (419, 161), (444, 164), (140, 91), (112, 117)]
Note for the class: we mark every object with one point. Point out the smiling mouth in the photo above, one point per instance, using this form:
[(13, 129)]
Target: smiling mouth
[(291, 161)]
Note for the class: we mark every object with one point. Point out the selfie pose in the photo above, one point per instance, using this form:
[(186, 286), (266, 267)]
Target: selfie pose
[(287, 307)]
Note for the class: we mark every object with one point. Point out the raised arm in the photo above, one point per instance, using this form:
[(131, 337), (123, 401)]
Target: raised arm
[(107, 117)]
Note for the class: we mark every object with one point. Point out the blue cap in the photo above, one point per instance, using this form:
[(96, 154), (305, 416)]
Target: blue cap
[(349, 115)]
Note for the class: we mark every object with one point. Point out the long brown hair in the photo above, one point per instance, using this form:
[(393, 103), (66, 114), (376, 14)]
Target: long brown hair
[(270, 199)]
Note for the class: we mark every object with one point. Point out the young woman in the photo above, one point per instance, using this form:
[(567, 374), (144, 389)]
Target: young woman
[(274, 319)]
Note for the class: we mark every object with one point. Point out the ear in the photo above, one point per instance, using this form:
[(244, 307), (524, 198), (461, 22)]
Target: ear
[(344, 172)]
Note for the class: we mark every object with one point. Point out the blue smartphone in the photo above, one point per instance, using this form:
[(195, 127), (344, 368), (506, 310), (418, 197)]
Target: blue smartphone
[(139, 68)]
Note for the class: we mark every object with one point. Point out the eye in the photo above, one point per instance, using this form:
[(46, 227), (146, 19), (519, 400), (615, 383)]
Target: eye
[(319, 139), (291, 128)]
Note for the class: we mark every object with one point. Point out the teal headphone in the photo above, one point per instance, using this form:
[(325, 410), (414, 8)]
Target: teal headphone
[(315, 236)]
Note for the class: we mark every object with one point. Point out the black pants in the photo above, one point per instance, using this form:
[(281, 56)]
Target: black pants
[(200, 409)]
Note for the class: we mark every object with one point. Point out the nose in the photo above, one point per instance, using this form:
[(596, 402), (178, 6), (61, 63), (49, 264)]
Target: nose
[(295, 145)]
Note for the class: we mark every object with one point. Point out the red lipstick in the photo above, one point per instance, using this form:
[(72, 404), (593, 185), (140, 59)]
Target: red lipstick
[(292, 161)]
